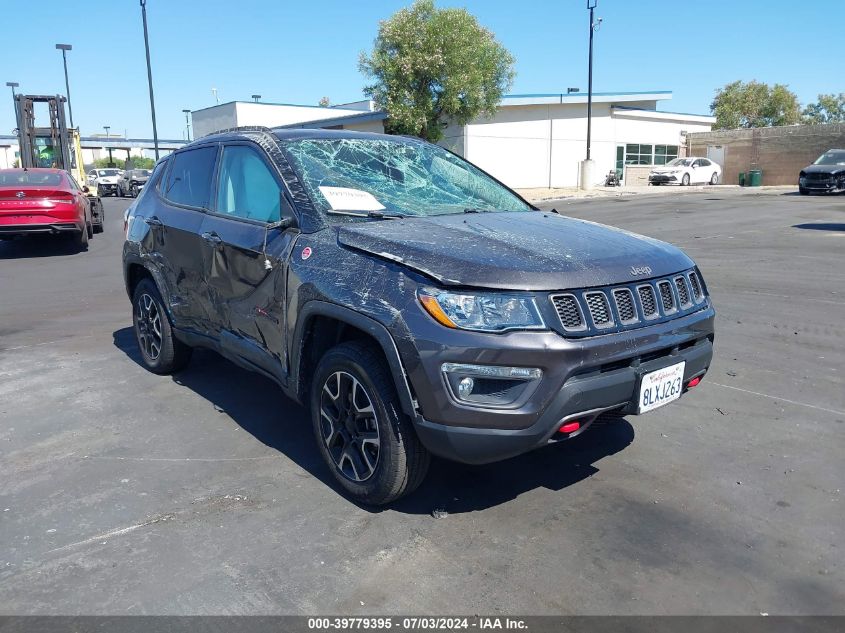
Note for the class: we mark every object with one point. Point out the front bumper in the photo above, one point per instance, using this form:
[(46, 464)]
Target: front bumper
[(581, 378), (829, 186), (662, 178), (105, 186)]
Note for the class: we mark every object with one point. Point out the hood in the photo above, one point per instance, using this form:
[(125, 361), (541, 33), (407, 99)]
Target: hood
[(823, 169), (139, 179), (107, 180), (514, 251), (665, 170)]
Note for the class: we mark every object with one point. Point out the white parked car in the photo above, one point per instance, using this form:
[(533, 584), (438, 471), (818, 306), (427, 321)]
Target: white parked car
[(105, 180), (686, 171)]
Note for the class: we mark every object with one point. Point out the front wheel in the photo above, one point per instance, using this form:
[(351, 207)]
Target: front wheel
[(161, 351), (803, 191), (685, 180), (365, 439)]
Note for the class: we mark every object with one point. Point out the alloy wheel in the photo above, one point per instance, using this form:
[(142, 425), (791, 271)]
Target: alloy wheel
[(148, 326), (349, 427)]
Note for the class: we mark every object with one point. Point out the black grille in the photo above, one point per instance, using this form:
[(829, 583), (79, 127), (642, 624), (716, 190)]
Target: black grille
[(696, 287), (647, 301), (683, 293), (599, 309), (818, 177), (625, 305), (667, 299), (569, 312)]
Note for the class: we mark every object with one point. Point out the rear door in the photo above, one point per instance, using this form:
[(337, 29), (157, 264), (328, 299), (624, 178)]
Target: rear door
[(175, 222), (246, 262)]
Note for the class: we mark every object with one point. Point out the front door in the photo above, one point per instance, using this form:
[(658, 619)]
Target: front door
[(245, 261)]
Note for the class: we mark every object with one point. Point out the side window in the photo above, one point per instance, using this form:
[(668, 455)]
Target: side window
[(696, 163), (190, 176), (247, 188), (705, 162)]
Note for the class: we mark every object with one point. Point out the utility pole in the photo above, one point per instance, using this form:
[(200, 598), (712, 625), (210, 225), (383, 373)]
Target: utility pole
[(13, 85), (65, 48), (149, 74)]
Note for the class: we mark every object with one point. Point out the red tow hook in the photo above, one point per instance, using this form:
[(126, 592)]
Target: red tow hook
[(570, 427)]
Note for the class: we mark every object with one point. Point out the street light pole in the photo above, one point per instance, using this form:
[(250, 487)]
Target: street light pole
[(65, 48), (256, 98), (587, 165), (149, 74), (187, 123)]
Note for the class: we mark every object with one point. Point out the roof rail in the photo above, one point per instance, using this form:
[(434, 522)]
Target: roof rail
[(242, 128)]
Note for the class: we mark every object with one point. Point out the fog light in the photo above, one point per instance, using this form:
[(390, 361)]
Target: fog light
[(465, 387)]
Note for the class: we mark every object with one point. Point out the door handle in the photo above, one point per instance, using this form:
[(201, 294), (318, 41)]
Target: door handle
[(212, 238), (152, 221)]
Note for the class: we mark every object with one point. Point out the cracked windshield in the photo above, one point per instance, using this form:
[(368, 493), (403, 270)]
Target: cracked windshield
[(360, 176)]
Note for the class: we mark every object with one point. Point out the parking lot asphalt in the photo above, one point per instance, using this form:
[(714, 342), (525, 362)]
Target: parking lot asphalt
[(123, 492)]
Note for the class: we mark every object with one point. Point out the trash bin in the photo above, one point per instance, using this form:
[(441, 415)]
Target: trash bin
[(742, 179), (755, 177)]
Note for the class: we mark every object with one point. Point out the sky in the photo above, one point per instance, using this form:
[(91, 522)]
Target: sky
[(297, 52)]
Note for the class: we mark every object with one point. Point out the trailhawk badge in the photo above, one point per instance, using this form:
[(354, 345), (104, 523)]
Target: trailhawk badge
[(636, 271)]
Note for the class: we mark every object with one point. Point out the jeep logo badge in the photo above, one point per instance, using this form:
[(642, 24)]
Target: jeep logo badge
[(636, 271)]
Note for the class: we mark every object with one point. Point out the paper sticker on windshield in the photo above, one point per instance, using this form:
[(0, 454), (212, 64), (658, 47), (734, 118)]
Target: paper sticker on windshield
[(345, 199)]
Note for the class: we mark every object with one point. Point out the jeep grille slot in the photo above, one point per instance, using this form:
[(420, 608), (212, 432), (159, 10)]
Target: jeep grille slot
[(599, 309), (683, 293), (667, 299), (696, 287), (569, 312), (648, 302), (625, 305)]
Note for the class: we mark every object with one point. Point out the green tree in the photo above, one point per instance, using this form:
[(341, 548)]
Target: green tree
[(828, 109), (135, 162), (429, 66), (754, 104)]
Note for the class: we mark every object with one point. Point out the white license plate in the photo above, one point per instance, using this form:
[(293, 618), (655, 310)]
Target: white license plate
[(661, 387)]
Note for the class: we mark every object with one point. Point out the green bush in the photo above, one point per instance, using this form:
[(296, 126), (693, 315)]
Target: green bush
[(135, 162)]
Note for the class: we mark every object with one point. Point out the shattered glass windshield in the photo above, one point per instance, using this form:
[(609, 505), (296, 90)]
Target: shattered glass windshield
[(402, 176)]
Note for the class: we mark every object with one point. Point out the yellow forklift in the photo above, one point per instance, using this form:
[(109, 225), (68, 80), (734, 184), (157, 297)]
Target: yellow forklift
[(55, 147)]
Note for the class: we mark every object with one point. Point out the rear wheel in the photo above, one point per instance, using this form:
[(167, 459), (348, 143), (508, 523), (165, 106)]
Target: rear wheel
[(714, 179), (101, 219), (161, 351), (365, 439)]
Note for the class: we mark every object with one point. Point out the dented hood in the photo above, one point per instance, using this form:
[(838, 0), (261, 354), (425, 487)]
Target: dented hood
[(514, 251)]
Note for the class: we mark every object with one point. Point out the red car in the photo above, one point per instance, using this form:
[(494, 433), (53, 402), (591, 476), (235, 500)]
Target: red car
[(44, 201)]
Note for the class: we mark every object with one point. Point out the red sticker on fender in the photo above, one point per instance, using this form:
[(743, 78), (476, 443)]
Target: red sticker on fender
[(306, 252)]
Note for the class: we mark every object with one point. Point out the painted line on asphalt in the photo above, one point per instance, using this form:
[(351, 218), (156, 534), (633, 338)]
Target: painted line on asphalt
[(765, 395), (112, 533)]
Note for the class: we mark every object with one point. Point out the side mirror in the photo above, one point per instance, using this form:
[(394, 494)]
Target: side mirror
[(85, 189)]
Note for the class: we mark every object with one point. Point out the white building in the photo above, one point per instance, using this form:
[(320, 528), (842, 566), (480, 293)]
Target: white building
[(535, 140)]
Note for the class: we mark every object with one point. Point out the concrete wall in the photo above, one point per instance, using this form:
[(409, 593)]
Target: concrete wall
[(781, 152)]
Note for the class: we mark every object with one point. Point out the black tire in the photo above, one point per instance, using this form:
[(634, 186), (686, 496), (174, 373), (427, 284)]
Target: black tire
[(119, 192), (134, 191), (376, 458), (80, 238), (100, 225), (161, 352), (685, 180), (714, 179), (803, 191)]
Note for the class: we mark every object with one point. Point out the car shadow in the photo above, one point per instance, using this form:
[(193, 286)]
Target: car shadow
[(260, 408), (37, 246), (820, 226)]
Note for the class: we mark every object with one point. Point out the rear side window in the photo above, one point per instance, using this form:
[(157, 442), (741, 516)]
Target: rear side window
[(247, 188), (189, 179)]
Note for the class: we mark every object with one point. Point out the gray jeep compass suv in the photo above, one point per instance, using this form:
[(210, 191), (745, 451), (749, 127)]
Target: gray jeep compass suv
[(415, 304)]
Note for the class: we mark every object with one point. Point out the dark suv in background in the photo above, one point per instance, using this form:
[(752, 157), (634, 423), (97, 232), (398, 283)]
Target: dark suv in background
[(825, 175), (132, 181), (413, 302)]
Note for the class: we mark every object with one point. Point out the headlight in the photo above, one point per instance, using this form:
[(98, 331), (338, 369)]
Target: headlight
[(488, 312)]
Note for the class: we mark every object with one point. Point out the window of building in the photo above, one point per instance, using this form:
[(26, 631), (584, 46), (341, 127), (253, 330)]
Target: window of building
[(643, 154)]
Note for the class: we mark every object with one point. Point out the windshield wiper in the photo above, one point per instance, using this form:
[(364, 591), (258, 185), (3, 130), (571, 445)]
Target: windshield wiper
[(378, 215)]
